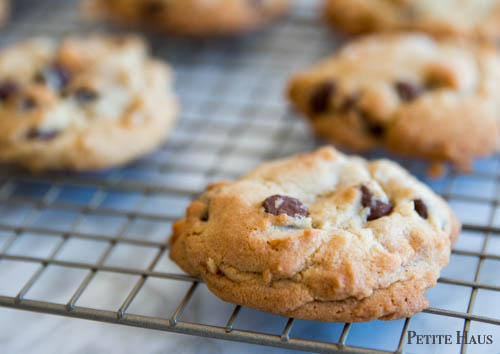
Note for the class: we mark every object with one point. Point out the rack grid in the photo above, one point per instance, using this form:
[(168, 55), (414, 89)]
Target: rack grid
[(234, 117)]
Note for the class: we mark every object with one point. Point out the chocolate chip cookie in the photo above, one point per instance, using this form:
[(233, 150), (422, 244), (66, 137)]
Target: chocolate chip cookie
[(82, 103), (191, 17), (417, 96), (4, 11), (320, 236), (472, 18)]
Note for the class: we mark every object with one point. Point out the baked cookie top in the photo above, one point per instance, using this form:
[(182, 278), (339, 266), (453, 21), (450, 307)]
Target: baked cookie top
[(319, 227), (419, 96), (191, 17), (82, 103), (474, 18)]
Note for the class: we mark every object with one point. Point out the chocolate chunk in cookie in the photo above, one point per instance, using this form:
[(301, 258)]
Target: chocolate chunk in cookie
[(153, 8), (8, 88), (280, 204), (372, 127), (85, 95), (421, 208), (349, 103), (42, 134), (407, 90), (321, 96), (377, 207)]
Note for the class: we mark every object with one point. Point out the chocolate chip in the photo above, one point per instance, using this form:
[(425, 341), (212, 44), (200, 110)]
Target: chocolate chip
[(205, 216), (372, 127), (85, 95), (8, 88), (27, 103), (376, 130), (280, 204), (408, 91), (42, 135), (55, 76), (377, 207), (152, 8), (320, 97), (349, 103), (420, 208)]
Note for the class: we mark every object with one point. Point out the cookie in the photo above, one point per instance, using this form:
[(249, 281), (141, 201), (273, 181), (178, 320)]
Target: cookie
[(471, 18), (82, 103), (417, 96), (320, 236), (190, 17), (4, 11)]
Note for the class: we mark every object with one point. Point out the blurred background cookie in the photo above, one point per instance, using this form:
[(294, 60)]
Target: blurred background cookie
[(413, 94), (83, 103), (191, 17), (4, 11), (466, 18)]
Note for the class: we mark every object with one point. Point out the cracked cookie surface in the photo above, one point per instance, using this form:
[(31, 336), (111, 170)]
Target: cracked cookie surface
[(319, 236), (415, 95), (471, 18), (82, 103), (191, 17)]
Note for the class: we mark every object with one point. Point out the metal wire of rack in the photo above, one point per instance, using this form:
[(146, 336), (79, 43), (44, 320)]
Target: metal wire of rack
[(234, 117)]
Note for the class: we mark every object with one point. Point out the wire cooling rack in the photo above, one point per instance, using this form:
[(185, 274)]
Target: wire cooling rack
[(92, 246)]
